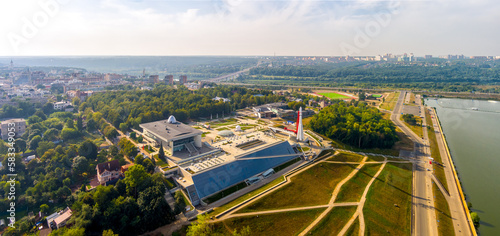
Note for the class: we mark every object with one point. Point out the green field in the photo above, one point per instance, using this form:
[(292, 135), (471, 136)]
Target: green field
[(376, 95), (443, 214), (392, 186), (346, 157), (352, 190), (313, 186), (438, 169), (334, 95), (354, 229), (334, 221), (288, 223)]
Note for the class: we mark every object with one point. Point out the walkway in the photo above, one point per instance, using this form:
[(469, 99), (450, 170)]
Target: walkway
[(331, 204)]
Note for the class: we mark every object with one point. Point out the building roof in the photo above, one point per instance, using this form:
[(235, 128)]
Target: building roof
[(13, 120), (113, 165), (63, 217), (170, 131)]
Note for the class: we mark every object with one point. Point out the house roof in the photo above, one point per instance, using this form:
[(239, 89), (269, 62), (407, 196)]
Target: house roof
[(113, 165), (63, 217)]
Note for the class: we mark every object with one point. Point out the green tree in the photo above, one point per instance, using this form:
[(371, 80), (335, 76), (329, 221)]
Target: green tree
[(20, 145), (44, 208), (139, 139), (201, 227), (91, 125), (108, 233), (88, 149), (34, 142), (69, 133), (80, 165), (70, 123), (79, 124), (475, 219), (134, 178)]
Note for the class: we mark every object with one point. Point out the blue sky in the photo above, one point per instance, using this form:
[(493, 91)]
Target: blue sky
[(248, 27)]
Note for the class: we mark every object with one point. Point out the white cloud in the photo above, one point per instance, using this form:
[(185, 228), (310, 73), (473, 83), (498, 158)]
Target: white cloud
[(251, 27)]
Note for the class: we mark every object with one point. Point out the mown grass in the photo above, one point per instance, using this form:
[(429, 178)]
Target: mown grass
[(390, 101), (353, 189), (438, 168), (346, 157), (334, 221), (218, 210), (313, 186), (443, 214), (354, 229), (417, 128), (334, 95), (288, 223), (392, 186)]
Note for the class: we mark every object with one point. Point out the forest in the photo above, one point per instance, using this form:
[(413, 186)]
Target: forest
[(356, 124), (452, 77), (128, 109)]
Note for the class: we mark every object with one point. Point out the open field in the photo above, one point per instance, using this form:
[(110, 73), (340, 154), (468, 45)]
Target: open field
[(443, 214), (352, 190), (390, 101), (334, 221), (392, 186), (354, 229), (333, 95), (417, 128), (288, 223), (313, 186), (346, 157), (438, 168)]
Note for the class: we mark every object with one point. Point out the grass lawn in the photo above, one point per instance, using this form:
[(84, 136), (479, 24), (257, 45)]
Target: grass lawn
[(354, 229), (438, 169), (443, 214), (301, 191), (241, 199), (346, 157), (377, 95), (334, 95), (392, 186), (334, 221), (417, 128), (223, 122), (352, 190), (390, 101), (288, 223), (375, 158)]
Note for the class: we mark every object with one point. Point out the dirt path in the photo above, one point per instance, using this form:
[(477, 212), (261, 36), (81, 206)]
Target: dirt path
[(334, 196), (359, 210)]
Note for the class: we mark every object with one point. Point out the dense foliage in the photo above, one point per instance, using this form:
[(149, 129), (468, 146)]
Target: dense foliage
[(128, 109), (355, 124), (453, 77)]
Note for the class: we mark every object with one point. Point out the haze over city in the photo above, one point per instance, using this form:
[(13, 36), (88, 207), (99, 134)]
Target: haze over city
[(248, 27)]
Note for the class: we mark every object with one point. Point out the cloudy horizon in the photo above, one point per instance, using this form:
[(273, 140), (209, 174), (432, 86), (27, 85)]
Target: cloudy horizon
[(248, 27)]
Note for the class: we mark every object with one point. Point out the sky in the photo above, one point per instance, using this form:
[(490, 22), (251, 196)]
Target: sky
[(249, 27)]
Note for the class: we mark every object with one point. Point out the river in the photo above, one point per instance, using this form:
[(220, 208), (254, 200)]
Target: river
[(472, 129)]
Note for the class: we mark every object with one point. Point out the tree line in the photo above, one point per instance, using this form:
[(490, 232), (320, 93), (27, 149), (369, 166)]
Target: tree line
[(355, 124)]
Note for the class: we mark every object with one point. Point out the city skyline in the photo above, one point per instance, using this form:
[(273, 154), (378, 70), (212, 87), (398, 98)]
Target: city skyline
[(248, 28)]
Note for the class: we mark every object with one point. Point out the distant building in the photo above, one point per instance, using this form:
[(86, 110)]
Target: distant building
[(183, 79), (175, 136), (16, 127), (59, 219), (108, 171), (428, 56), (169, 79), (154, 79), (63, 106)]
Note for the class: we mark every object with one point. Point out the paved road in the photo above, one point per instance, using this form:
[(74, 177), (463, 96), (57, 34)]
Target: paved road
[(458, 214), (424, 218)]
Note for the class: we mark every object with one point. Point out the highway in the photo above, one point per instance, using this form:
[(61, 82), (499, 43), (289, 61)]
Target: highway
[(423, 214)]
